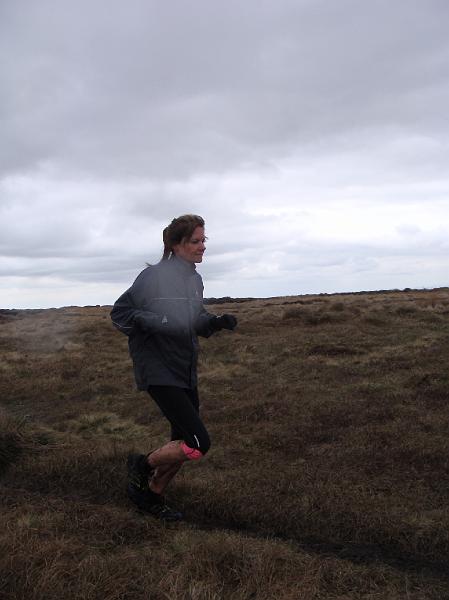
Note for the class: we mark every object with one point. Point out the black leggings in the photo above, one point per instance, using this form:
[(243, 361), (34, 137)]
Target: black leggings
[(181, 407)]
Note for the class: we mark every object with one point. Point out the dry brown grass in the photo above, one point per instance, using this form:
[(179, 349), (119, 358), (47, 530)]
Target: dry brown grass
[(328, 477)]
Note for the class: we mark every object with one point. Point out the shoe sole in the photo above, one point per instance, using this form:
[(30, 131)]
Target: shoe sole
[(175, 516), (172, 519)]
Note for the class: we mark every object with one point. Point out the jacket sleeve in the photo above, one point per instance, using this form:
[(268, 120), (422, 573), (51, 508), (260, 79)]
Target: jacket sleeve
[(204, 318), (203, 323), (128, 313)]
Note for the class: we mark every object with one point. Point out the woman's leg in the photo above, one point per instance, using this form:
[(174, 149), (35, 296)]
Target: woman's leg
[(162, 477), (165, 473), (190, 439)]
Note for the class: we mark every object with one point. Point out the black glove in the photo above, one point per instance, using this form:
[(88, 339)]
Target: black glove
[(223, 322)]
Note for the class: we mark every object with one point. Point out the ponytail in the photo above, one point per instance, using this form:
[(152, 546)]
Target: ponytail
[(167, 247)]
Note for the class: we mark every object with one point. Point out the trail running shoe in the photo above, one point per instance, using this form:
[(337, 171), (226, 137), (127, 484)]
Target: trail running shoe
[(163, 511), (138, 473), (153, 504)]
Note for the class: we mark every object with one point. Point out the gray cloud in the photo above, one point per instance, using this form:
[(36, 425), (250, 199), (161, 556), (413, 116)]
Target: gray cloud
[(170, 90)]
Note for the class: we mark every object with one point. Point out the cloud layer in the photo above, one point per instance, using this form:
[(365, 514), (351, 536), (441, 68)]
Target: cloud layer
[(311, 135)]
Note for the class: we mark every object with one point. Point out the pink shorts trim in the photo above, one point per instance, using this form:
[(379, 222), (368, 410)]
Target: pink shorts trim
[(191, 453)]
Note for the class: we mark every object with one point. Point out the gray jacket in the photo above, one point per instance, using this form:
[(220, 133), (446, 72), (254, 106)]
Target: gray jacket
[(162, 314)]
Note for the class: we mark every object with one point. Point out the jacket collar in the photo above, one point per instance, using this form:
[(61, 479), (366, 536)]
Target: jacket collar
[(181, 265)]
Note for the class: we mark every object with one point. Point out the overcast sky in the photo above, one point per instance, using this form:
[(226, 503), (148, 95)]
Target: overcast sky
[(312, 136)]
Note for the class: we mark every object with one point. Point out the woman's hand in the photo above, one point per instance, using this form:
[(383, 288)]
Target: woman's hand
[(224, 322)]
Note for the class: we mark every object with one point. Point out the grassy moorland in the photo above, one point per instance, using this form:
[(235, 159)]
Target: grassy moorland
[(328, 477)]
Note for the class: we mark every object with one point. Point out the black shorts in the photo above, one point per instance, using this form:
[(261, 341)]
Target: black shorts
[(181, 407)]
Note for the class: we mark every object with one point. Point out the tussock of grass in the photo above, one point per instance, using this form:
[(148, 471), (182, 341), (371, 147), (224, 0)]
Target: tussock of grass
[(312, 316), (112, 425), (11, 440), (332, 350), (18, 438)]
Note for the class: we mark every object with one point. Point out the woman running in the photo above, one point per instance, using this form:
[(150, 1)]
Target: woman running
[(162, 313)]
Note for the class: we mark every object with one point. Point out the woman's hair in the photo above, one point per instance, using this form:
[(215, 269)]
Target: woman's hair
[(179, 229)]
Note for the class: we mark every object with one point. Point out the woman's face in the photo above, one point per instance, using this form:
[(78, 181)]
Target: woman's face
[(192, 249)]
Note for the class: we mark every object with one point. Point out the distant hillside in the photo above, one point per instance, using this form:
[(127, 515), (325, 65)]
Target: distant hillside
[(229, 299)]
